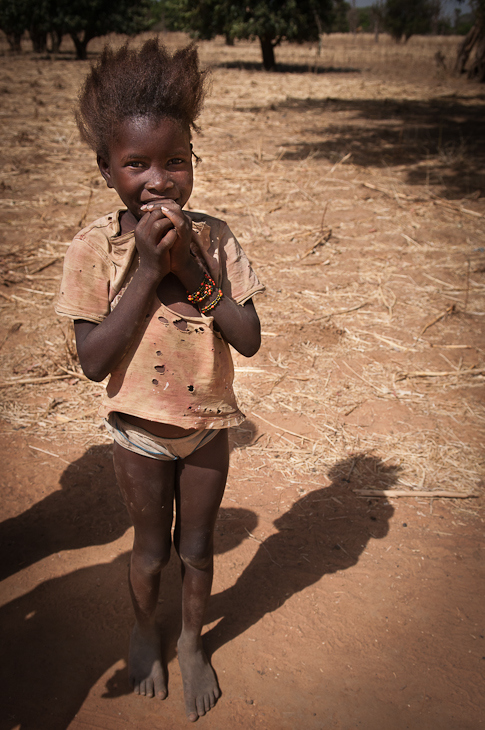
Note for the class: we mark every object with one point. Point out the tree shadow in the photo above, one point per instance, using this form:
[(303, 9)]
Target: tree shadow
[(60, 638), (442, 140), (325, 531), (87, 510), (287, 68), (57, 640)]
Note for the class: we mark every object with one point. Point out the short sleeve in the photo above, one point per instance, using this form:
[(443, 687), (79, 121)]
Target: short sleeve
[(239, 281), (85, 284)]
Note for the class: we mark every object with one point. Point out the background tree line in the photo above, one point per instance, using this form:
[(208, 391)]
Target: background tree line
[(47, 21), (270, 21)]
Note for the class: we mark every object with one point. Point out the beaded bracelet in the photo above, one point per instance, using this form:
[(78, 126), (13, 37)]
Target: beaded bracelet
[(205, 289), (214, 303)]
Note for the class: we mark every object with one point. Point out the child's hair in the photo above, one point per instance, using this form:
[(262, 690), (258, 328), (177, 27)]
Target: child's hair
[(129, 83)]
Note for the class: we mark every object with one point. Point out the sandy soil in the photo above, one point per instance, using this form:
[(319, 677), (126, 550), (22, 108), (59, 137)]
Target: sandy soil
[(354, 180)]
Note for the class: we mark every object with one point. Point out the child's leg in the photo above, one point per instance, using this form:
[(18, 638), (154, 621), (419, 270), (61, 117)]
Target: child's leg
[(201, 482), (147, 486)]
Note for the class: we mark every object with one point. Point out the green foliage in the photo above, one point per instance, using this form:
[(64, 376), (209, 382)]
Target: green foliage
[(338, 21), (463, 24), (404, 18), (269, 20), (14, 18), (365, 20), (87, 19), (81, 19)]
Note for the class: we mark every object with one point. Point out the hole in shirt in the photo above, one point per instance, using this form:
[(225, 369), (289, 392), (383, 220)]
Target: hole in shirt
[(191, 388), (155, 381), (158, 353), (181, 325), (163, 320), (160, 368)]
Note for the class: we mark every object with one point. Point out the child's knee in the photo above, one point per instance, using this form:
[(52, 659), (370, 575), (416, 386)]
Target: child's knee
[(198, 556), (198, 562), (151, 562)]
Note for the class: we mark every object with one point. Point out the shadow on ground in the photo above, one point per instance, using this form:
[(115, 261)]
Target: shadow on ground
[(442, 141), (325, 531), (87, 510), (288, 68), (61, 637)]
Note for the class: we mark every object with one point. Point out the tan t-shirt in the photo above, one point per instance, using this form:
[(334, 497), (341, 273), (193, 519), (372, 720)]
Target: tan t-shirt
[(170, 374)]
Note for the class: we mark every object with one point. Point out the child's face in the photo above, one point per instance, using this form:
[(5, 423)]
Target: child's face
[(149, 161)]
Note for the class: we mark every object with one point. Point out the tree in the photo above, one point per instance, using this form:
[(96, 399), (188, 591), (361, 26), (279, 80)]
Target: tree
[(88, 19), (271, 21), (83, 20), (14, 16), (475, 39), (338, 20), (404, 18)]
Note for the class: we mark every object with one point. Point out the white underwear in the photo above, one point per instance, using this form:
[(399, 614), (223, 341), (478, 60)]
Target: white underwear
[(136, 439)]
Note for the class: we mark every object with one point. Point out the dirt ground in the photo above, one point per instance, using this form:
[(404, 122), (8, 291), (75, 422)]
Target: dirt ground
[(354, 181)]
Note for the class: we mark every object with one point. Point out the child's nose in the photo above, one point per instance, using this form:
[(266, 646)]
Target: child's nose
[(160, 181)]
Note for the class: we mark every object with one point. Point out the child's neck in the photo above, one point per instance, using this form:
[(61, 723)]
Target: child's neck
[(128, 222)]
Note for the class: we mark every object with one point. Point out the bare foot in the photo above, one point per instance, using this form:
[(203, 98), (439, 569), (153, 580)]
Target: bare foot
[(147, 675), (201, 690)]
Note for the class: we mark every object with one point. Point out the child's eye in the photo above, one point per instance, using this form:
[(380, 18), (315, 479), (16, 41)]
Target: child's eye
[(135, 163), (176, 161)]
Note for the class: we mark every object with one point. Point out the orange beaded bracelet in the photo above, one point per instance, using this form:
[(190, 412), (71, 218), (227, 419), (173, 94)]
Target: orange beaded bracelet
[(207, 308), (205, 290)]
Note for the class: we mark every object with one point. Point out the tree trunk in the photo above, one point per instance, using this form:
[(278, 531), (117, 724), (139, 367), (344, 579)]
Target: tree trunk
[(466, 47), (39, 40), (14, 42), (56, 40), (229, 39), (376, 30), (81, 45), (477, 69), (267, 49)]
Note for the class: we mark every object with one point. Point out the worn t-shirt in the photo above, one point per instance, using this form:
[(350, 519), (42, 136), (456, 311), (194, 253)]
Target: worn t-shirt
[(178, 370)]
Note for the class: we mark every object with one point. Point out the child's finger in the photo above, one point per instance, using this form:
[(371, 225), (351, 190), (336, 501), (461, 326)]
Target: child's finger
[(159, 229), (148, 207), (168, 239), (154, 225), (175, 215)]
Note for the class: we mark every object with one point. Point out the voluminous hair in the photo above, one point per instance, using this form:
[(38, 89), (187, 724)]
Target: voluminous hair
[(145, 82)]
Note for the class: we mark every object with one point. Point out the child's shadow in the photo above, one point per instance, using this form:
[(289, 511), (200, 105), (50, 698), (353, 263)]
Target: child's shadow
[(61, 637), (325, 531)]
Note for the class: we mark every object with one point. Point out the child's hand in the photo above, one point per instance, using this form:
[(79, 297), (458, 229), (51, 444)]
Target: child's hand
[(154, 237), (181, 224)]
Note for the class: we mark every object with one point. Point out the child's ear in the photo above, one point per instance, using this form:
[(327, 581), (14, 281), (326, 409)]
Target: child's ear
[(104, 170)]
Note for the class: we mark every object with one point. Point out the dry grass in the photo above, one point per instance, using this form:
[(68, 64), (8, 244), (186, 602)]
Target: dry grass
[(357, 191)]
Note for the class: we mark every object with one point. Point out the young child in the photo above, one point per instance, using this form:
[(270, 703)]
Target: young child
[(156, 294)]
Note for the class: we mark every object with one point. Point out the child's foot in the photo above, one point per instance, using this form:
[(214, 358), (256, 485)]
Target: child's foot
[(201, 690), (147, 675)]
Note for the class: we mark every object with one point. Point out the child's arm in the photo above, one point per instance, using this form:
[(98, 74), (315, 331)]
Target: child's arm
[(102, 346), (239, 324)]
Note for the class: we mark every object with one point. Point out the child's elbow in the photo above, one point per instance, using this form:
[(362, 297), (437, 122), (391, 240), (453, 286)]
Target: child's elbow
[(92, 372), (251, 346)]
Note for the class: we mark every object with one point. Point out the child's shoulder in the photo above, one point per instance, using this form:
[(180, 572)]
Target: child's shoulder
[(204, 218), (106, 227)]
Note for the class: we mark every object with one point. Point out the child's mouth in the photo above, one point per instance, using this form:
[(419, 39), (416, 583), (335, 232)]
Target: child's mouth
[(156, 203)]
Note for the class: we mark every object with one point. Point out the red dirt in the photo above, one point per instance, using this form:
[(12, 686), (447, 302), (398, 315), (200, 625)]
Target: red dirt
[(329, 610)]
